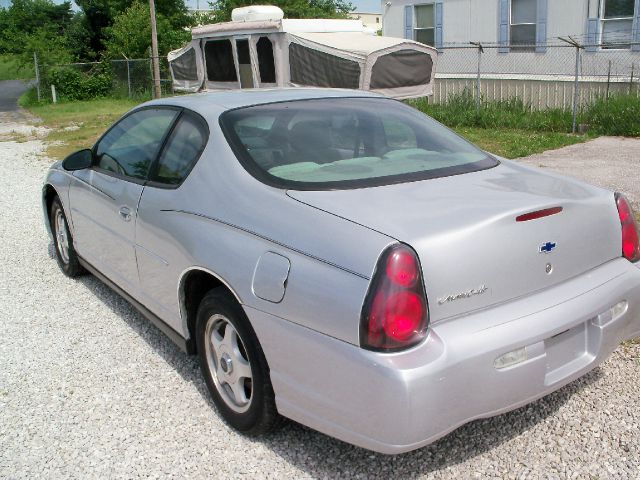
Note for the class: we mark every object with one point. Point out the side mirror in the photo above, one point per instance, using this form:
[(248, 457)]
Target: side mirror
[(78, 161)]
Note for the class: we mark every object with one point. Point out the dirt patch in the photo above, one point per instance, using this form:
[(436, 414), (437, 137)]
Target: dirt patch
[(20, 126)]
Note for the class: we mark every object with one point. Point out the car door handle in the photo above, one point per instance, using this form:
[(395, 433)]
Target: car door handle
[(125, 214)]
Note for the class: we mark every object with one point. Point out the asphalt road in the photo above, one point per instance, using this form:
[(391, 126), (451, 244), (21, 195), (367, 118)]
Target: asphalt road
[(10, 91)]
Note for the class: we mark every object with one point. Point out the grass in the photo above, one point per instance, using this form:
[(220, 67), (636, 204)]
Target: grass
[(508, 128), (460, 111), (10, 69), (616, 115), (514, 143), (77, 125)]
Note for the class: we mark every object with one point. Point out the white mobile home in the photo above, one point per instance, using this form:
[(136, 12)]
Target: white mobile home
[(522, 35), (522, 53), (515, 24)]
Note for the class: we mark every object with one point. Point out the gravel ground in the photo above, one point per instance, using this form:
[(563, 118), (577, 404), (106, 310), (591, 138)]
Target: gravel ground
[(612, 162), (89, 389)]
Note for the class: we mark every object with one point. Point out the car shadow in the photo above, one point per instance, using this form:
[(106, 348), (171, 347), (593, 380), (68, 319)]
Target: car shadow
[(321, 456), (186, 365), (332, 458)]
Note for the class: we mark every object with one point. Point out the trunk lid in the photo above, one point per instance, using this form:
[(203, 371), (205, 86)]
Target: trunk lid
[(473, 252)]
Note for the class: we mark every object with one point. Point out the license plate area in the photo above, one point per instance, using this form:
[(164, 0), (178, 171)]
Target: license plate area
[(566, 353)]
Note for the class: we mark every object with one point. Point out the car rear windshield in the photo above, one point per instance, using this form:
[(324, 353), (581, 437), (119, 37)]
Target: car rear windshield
[(339, 143)]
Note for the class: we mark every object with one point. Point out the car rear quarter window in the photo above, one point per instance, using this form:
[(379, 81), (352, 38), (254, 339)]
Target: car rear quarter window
[(183, 148), (335, 143), (132, 144)]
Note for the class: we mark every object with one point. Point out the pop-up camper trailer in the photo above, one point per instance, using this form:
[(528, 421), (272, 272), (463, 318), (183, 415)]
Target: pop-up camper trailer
[(259, 48)]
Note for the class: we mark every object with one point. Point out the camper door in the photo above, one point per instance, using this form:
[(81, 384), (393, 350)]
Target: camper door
[(220, 63), (240, 62), (263, 53)]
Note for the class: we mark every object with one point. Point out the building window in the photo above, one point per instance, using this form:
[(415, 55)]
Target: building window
[(617, 23), (523, 25), (424, 25), (377, 19)]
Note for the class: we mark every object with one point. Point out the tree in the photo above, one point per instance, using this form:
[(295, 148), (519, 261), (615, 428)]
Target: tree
[(49, 47), (24, 18), (291, 8), (98, 16), (130, 34), (78, 39), (101, 14)]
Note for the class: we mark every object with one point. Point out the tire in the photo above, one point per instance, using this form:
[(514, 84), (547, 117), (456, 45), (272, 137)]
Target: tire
[(234, 366), (63, 241)]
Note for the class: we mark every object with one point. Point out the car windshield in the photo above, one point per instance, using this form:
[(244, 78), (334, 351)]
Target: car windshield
[(336, 143)]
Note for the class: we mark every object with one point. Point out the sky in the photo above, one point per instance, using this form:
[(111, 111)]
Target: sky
[(367, 6)]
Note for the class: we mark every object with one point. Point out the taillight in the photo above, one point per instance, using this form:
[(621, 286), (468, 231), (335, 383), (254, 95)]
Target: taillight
[(395, 313), (630, 242)]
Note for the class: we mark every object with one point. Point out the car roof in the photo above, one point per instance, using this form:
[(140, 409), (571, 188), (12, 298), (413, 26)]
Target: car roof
[(211, 104)]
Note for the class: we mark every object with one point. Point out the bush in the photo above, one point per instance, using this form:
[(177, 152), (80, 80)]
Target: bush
[(72, 84), (28, 98), (617, 115)]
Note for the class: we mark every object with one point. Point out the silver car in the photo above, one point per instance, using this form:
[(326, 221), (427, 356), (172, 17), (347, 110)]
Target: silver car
[(343, 260)]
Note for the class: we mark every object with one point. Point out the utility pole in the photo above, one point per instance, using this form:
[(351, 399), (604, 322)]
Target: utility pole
[(35, 65), (480, 52), (154, 51), (576, 84)]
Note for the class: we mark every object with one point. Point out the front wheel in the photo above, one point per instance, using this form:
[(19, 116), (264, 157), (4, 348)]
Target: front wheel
[(233, 365), (63, 242)]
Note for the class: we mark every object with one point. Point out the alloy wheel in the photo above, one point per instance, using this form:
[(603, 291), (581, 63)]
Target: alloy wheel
[(228, 363), (62, 239)]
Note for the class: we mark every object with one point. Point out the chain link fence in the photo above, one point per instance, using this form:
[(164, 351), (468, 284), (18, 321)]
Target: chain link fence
[(116, 78), (568, 76), (135, 77)]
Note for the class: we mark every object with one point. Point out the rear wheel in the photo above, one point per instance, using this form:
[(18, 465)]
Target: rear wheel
[(233, 365), (63, 242)]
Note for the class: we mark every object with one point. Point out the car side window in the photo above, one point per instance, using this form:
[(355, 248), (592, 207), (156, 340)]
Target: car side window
[(183, 149), (132, 144)]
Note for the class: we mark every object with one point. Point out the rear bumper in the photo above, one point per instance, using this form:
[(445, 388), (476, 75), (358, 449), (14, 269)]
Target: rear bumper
[(393, 403)]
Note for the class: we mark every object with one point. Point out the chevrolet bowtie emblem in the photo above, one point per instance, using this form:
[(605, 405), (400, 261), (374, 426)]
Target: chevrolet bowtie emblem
[(547, 247)]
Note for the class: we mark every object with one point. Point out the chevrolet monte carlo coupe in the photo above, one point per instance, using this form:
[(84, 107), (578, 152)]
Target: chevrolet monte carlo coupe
[(341, 259)]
